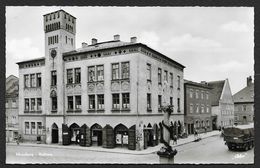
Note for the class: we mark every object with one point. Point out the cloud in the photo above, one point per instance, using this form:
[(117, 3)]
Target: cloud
[(150, 38), (22, 49), (188, 42), (226, 67), (235, 26)]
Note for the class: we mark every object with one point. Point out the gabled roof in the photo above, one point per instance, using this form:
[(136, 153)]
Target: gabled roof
[(245, 95), (216, 91), (11, 85), (203, 85)]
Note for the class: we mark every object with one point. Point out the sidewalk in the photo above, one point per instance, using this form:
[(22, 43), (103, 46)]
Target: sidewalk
[(149, 150)]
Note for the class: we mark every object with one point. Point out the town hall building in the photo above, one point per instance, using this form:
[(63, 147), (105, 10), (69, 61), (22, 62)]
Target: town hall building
[(105, 93)]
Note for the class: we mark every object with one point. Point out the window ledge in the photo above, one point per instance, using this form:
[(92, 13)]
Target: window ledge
[(91, 110), (149, 110), (100, 110), (54, 111)]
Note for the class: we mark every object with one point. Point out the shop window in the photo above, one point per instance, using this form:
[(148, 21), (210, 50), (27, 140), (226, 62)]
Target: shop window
[(39, 104), (115, 71), (149, 106), (33, 128), (91, 101), (70, 102), (125, 101), (100, 99), (125, 70), (116, 103), (69, 76), (39, 79), (26, 81), (149, 72), (33, 104), (159, 76), (27, 128), (78, 102), (91, 74), (77, 75), (100, 73), (53, 78)]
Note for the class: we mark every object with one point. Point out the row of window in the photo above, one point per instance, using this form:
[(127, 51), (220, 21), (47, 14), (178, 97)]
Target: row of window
[(68, 39), (52, 27), (32, 104), (202, 124), (52, 16), (69, 27), (34, 128), (227, 123), (13, 103), (244, 107), (32, 80), (227, 112), (149, 102), (96, 73), (165, 76), (202, 94), (198, 108), (53, 40)]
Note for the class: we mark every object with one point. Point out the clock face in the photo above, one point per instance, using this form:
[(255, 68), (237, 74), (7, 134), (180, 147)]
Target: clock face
[(53, 53)]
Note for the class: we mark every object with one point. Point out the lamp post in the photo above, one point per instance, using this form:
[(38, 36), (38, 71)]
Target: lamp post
[(166, 153)]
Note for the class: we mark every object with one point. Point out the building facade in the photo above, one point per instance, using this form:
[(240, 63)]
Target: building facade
[(244, 103), (197, 107), (222, 104), (11, 108), (105, 93)]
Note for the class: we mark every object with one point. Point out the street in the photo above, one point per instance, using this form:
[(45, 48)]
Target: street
[(209, 150)]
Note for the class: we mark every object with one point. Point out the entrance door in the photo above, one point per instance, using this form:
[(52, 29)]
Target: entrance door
[(192, 129), (99, 138), (55, 135)]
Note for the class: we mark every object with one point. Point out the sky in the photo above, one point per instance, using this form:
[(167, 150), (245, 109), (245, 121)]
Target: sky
[(213, 43)]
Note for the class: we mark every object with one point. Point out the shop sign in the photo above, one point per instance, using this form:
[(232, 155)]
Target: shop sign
[(125, 139), (118, 138), (94, 138)]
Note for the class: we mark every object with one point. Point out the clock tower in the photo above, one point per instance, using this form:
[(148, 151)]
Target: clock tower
[(60, 30)]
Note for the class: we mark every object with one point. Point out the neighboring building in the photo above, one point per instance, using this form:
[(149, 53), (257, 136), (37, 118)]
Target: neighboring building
[(222, 104), (106, 93), (244, 103), (11, 107), (197, 107)]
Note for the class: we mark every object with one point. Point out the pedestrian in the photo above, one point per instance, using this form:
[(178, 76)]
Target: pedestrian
[(175, 139), (205, 129), (195, 134)]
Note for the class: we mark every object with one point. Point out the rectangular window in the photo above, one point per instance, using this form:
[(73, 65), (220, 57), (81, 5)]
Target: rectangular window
[(78, 102), (197, 109), (70, 102), (149, 72), (54, 103), (91, 101), (178, 104), (33, 128), (100, 101), (179, 81), (159, 76), (26, 104), (159, 101), (191, 93), (202, 108), (33, 104), (33, 80), (27, 128), (100, 73), (77, 75), (149, 101), (171, 101), (115, 71), (39, 104), (39, 79), (207, 109), (26, 81), (207, 95), (171, 79), (125, 70), (165, 78), (125, 101), (39, 128), (6, 103), (14, 104), (202, 95), (53, 78), (69, 76), (197, 94), (116, 103), (91, 74), (191, 108), (244, 107)]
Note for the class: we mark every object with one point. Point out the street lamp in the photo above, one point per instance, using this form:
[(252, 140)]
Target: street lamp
[(166, 153)]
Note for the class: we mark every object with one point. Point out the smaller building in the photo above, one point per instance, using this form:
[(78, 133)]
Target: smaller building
[(244, 103), (222, 104), (11, 107), (197, 107)]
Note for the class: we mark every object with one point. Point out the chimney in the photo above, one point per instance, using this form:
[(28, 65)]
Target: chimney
[(116, 37), (84, 45), (133, 39), (249, 81), (94, 41)]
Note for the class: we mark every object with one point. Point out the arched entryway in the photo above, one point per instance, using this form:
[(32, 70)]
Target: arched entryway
[(155, 135), (121, 134), (132, 138), (74, 130), (96, 134), (85, 138), (108, 140), (54, 133), (149, 135)]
